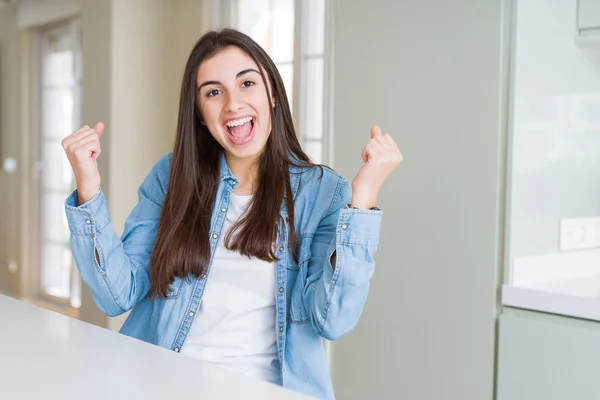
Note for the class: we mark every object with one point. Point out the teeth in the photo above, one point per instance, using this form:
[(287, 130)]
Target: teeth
[(238, 122)]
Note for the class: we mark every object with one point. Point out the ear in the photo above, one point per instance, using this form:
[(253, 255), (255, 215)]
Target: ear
[(273, 101)]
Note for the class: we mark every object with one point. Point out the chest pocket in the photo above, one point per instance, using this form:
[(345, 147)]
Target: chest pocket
[(296, 281)]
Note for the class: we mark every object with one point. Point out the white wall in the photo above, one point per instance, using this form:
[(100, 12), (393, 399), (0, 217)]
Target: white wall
[(430, 73), (150, 44), (556, 143), (137, 106)]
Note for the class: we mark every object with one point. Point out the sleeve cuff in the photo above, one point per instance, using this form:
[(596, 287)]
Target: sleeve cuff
[(359, 227), (85, 219)]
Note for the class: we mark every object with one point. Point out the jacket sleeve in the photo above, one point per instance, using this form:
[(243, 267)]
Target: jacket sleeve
[(335, 298), (117, 270)]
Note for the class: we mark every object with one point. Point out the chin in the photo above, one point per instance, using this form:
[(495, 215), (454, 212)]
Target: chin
[(245, 153), (252, 150)]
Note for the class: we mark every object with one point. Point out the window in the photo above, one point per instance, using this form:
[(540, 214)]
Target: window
[(59, 87), (293, 32)]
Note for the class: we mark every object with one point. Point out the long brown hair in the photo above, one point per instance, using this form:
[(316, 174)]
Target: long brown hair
[(183, 244)]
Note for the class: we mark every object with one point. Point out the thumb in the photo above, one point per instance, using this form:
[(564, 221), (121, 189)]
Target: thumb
[(375, 131), (99, 128)]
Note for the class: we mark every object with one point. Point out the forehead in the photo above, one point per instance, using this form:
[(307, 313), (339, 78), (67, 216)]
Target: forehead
[(225, 65)]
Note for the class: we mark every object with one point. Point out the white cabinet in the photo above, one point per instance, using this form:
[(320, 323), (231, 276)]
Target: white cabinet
[(547, 357)]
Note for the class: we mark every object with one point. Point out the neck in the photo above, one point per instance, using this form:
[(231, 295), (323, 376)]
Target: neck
[(246, 171)]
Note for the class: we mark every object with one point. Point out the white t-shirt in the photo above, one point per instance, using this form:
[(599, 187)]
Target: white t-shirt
[(235, 324)]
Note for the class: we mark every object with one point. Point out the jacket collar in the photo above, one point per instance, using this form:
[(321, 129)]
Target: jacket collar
[(227, 175)]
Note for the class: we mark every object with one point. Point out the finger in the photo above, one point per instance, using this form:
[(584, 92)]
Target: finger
[(99, 128), (375, 131), (73, 148), (377, 145), (88, 150), (382, 154), (385, 139), (70, 137), (81, 139), (78, 131), (395, 150), (83, 128), (368, 152), (374, 150), (389, 146), (381, 140), (390, 140), (96, 153), (76, 136)]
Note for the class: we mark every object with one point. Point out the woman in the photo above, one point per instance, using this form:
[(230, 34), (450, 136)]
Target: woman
[(241, 251)]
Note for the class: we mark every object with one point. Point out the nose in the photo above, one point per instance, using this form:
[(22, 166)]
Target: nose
[(233, 104)]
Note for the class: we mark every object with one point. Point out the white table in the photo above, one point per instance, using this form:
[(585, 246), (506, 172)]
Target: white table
[(46, 355)]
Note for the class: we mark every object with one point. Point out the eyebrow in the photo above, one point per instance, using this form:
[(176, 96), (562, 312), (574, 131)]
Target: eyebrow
[(241, 73)]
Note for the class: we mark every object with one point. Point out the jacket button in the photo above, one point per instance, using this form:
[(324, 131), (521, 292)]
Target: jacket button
[(281, 289), (281, 329), (344, 226), (88, 221), (176, 349)]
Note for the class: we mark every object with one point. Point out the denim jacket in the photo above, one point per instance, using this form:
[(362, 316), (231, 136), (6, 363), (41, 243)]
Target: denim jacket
[(313, 300)]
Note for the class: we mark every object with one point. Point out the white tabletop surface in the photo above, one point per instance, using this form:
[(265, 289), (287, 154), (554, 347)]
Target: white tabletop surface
[(46, 355)]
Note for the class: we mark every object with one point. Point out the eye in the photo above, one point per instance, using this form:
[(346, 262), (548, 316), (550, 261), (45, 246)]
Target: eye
[(213, 93), (247, 84)]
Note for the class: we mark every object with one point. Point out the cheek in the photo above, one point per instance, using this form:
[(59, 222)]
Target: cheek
[(209, 113), (265, 110)]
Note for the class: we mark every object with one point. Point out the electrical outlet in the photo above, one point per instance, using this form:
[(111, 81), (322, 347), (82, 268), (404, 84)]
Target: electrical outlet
[(579, 233)]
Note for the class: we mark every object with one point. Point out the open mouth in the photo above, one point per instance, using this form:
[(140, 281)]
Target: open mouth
[(240, 130)]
